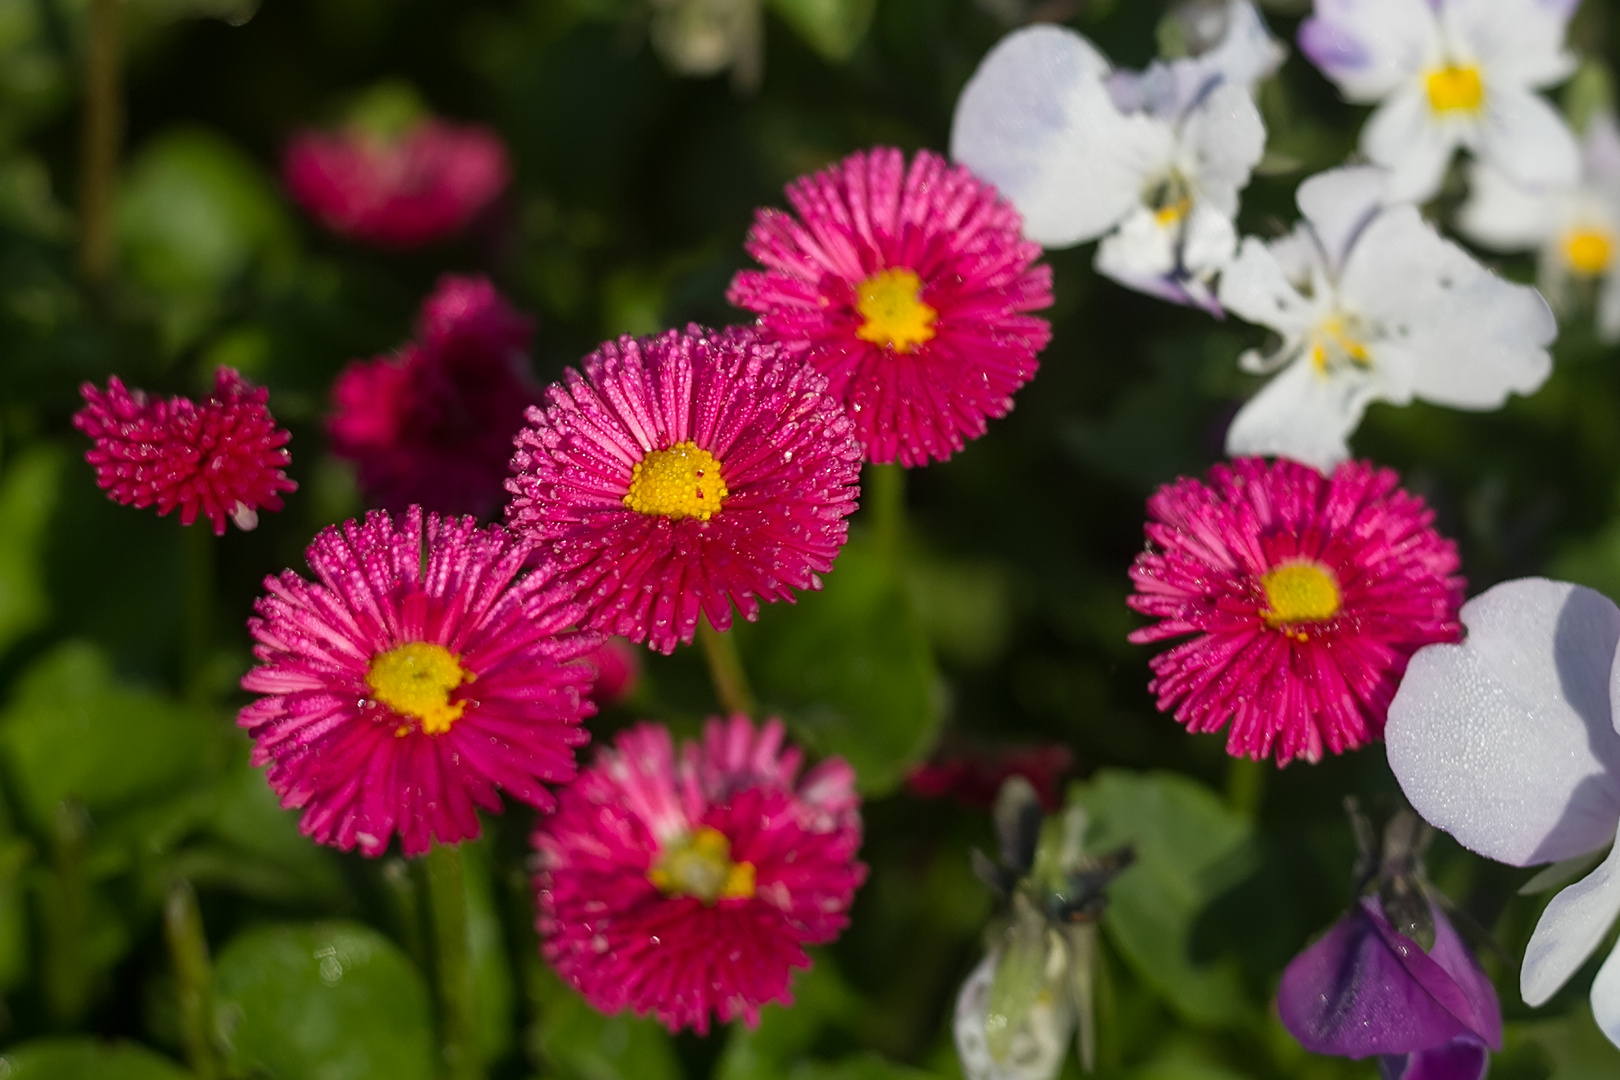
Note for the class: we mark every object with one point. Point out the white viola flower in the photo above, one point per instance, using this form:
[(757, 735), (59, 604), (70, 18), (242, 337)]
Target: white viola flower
[(1507, 741), (1450, 74), (1575, 229), (1373, 305), (1151, 163)]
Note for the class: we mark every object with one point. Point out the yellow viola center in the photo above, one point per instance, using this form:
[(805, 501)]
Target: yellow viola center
[(1455, 89), (1299, 592), (680, 482), (890, 305), (415, 680), (1173, 213), (1588, 251), (1334, 343), (700, 865)]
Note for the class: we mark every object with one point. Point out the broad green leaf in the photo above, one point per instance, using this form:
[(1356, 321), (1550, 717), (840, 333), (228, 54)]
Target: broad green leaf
[(578, 1043), (785, 1033), (86, 1059), (831, 27), (337, 1001), (27, 496), (263, 852)]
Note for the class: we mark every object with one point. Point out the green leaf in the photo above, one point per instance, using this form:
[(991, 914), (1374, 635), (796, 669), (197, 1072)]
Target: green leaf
[(578, 1043), (492, 974), (333, 1000), (1189, 849), (821, 998), (850, 670), (831, 27), (263, 853), (86, 1059), (27, 498), (235, 12), (860, 1067)]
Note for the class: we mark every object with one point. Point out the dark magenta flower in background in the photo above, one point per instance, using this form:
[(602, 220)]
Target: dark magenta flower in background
[(221, 458), (618, 672), (423, 185), (434, 423), (973, 776)]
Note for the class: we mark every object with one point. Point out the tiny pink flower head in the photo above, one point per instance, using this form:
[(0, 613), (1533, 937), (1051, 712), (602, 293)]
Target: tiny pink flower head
[(684, 886), (1307, 595), (414, 677), (221, 458), (434, 424), (907, 288), (683, 473), (425, 185)]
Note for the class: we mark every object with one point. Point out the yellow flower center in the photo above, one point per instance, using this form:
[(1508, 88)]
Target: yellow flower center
[(1588, 251), (680, 482), (1172, 214), (1334, 343), (1299, 592), (700, 865), (890, 303), (1455, 89), (415, 680)]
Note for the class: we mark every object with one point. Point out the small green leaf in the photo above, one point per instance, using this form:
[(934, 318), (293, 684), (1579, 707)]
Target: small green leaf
[(831, 27), (578, 1043), (27, 498), (334, 1000), (86, 1059)]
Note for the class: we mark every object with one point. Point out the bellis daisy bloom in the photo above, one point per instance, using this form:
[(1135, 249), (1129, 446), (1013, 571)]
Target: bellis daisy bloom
[(417, 675), (1152, 164), (908, 288), (1450, 74), (434, 424), (681, 886), (221, 458), (1507, 741), (684, 473), (426, 184), (1305, 595), (1373, 305)]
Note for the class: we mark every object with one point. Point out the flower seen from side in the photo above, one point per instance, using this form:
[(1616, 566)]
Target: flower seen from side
[(909, 288), (1449, 75), (685, 884), (418, 675), (1373, 305), (221, 458), (678, 475), (1304, 596), (434, 423)]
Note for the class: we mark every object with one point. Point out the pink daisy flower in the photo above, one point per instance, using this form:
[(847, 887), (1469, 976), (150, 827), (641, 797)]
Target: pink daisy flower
[(681, 474), (907, 288), (425, 185), (434, 424), (414, 677), (1307, 595), (684, 886), (222, 458)]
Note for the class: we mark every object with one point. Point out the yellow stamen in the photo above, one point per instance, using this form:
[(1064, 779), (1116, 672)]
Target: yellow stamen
[(890, 302), (700, 865), (1299, 592), (1455, 89), (1588, 251), (1172, 213), (680, 482), (415, 680), (1334, 342)]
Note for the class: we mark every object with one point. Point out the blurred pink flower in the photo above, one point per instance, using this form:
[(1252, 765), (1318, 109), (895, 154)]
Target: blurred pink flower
[(973, 776), (618, 672)]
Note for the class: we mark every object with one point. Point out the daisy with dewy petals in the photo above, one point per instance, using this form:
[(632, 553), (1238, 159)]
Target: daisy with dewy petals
[(681, 474), (1152, 163), (1507, 741), (1575, 229), (684, 885), (1304, 596), (1450, 74), (420, 673), (1372, 305)]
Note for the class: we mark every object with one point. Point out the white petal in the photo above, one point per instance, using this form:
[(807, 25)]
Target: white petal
[(1370, 47), (1302, 414), (1208, 241), (1520, 42), (1606, 997), (1222, 140), (1570, 928), (1506, 740), (1247, 53), (1038, 1048), (1504, 215), (1527, 139), (1339, 203), (1036, 121), (1141, 247), (1608, 308), (1404, 135), (1600, 149), (1257, 287)]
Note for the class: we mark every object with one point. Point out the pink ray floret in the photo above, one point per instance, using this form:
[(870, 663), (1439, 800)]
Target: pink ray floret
[(960, 346), (352, 724), (1306, 596), (787, 460), (221, 458), (434, 423), (626, 937)]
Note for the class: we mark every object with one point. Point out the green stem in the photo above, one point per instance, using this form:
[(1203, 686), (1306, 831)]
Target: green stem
[(885, 494), (67, 968), (193, 976), (726, 670), (447, 896), (102, 133), (199, 611), (1246, 785)]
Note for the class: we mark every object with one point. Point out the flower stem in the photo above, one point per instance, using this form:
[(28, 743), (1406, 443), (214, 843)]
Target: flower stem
[(885, 494), (64, 902), (726, 670), (198, 646), (103, 131), (1246, 785), (458, 1028), (193, 976)]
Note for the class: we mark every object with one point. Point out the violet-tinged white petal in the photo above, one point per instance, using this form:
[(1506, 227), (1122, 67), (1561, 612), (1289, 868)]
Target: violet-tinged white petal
[(1527, 139), (1516, 42), (1504, 215), (1304, 415), (1257, 287), (1339, 204), (1225, 138), (1606, 997), (1369, 47), (1571, 927), (1404, 135)]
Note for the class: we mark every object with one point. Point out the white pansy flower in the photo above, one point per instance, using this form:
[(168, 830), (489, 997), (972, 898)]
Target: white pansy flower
[(1373, 305), (1508, 742), (1450, 74), (1575, 229), (1152, 163)]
